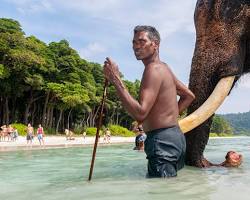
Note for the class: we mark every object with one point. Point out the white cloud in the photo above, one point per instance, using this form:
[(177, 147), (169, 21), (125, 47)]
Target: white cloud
[(167, 15), (91, 50), (31, 6), (90, 6), (245, 82)]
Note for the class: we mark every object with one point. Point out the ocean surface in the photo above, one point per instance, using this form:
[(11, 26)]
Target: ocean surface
[(119, 174)]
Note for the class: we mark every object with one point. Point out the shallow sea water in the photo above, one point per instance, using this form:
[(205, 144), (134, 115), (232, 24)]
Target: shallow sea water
[(119, 174)]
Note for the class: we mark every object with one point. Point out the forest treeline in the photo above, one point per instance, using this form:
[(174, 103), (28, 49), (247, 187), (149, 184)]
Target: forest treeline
[(51, 84), (239, 121)]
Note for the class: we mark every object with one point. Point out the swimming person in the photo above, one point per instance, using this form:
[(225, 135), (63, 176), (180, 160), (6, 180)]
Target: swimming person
[(157, 108), (232, 159)]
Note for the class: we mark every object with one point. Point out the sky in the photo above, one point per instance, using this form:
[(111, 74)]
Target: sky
[(98, 29)]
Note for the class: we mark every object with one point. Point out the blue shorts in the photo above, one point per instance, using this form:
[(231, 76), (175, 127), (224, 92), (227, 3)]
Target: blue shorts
[(40, 136), (165, 149)]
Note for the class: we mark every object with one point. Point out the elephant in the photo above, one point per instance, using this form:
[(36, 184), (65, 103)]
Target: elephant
[(221, 56)]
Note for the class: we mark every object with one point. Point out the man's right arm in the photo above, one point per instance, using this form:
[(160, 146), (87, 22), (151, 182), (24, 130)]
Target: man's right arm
[(150, 86)]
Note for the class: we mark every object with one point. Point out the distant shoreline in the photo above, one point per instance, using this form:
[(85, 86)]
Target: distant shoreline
[(229, 137), (52, 142)]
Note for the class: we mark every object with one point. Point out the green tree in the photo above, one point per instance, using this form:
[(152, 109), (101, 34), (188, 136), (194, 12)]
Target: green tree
[(221, 126)]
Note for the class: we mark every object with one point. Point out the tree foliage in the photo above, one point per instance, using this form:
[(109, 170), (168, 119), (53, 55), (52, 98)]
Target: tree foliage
[(220, 126), (52, 85), (239, 122)]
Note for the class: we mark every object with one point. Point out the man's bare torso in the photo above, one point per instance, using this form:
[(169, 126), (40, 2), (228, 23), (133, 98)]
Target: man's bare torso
[(164, 112)]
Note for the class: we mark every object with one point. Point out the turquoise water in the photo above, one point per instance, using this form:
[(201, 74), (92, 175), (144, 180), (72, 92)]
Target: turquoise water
[(119, 174)]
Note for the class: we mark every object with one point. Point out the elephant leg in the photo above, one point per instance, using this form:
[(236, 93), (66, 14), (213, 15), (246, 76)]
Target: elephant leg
[(196, 143), (197, 138)]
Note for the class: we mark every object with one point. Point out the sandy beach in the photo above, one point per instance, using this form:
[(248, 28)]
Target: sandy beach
[(58, 142)]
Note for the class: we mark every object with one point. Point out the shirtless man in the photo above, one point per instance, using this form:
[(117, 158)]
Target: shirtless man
[(157, 108), (30, 134)]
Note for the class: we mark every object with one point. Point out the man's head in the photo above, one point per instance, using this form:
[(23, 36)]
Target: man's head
[(233, 159), (146, 41)]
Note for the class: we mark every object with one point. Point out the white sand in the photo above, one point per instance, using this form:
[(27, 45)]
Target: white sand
[(58, 142)]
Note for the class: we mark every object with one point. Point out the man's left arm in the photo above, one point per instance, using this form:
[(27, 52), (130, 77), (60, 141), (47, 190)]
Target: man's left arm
[(186, 95)]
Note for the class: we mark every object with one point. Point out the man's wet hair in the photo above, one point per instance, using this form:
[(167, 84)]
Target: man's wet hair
[(153, 34)]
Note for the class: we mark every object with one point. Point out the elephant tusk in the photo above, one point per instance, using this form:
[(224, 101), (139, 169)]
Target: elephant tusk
[(208, 108)]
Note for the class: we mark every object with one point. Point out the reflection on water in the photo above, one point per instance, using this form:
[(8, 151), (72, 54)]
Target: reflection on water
[(119, 174)]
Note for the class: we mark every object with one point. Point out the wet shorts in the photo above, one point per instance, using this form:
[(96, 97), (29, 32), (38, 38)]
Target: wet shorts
[(165, 149), (29, 136)]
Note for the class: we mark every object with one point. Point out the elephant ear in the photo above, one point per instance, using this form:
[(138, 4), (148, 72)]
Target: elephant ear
[(208, 108)]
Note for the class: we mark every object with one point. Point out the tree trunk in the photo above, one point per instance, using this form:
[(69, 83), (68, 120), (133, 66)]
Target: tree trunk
[(51, 117), (63, 122), (95, 115), (33, 113), (27, 109), (13, 109), (87, 120), (69, 117), (59, 120), (47, 116), (45, 108), (117, 117), (82, 123), (1, 110), (7, 111)]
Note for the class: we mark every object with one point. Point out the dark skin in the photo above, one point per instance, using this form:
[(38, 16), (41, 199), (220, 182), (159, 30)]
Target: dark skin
[(157, 106)]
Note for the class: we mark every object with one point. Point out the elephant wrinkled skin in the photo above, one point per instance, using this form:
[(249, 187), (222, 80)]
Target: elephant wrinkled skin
[(222, 49)]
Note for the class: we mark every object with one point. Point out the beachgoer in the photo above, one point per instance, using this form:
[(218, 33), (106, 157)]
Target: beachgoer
[(69, 134), (4, 132), (10, 133), (84, 135), (140, 138), (232, 159), (108, 135), (157, 108), (40, 134), (104, 137), (30, 134), (15, 134)]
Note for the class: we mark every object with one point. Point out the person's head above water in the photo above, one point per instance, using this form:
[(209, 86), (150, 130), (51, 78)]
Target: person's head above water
[(233, 159), (146, 41)]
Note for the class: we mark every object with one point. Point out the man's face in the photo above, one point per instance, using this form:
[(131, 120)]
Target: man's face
[(143, 47)]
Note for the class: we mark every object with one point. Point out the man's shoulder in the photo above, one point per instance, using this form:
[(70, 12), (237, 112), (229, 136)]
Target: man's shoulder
[(157, 68)]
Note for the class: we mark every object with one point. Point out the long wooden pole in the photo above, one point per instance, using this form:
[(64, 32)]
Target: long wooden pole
[(98, 129)]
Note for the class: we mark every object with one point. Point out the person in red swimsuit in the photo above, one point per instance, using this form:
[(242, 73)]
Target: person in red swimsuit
[(40, 134)]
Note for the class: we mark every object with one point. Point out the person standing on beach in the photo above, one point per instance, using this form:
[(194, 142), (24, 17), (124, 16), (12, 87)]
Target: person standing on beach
[(40, 134), (30, 134), (84, 135), (157, 108), (108, 135)]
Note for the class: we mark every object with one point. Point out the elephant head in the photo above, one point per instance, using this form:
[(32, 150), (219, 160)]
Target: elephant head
[(221, 56)]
